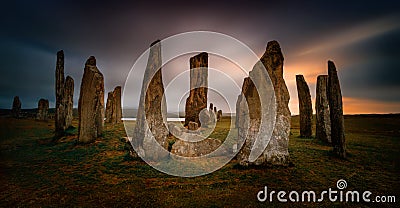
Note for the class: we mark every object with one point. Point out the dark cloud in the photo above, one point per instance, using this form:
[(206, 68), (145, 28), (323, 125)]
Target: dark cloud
[(374, 73), (117, 33)]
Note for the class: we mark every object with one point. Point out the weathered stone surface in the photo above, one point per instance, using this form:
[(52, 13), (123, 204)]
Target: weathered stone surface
[(195, 149), (91, 103), (193, 126), (197, 99), (117, 104), (150, 126), (323, 120), (60, 108), (113, 106), (305, 106), (43, 110), (16, 107), (248, 119), (276, 152), (336, 111), (219, 115), (64, 97), (109, 107), (68, 101), (174, 130)]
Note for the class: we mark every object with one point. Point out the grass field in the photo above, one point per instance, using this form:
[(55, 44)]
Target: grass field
[(37, 171)]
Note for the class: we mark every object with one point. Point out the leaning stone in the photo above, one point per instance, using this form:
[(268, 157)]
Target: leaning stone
[(305, 106), (336, 112)]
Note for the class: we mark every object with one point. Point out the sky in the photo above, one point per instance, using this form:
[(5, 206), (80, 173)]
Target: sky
[(361, 37)]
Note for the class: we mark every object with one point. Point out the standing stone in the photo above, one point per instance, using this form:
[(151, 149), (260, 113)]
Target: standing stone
[(43, 110), (64, 97), (193, 126), (336, 112), (323, 121), (117, 104), (219, 115), (150, 126), (60, 108), (197, 99), (213, 116), (305, 106), (113, 106), (91, 103), (16, 107), (109, 107), (68, 101), (276, 152)]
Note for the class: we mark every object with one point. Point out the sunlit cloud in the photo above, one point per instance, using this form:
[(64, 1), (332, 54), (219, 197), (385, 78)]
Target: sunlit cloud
[(353, 35), (368, 106)]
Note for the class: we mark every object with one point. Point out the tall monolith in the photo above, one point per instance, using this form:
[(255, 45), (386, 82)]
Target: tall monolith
[(323, 120), (60, 105), (68, 101), (150, 133), (336, 112), (91, 103), (64, 88), (252, 111), (197, 99), (305, 106)]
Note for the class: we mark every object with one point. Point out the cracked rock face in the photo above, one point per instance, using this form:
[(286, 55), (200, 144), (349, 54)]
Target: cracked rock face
[(305, 106), (251, 111), (91, 103)]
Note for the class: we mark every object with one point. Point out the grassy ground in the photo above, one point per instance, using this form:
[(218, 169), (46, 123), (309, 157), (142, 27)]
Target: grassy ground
[(37, 171)]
